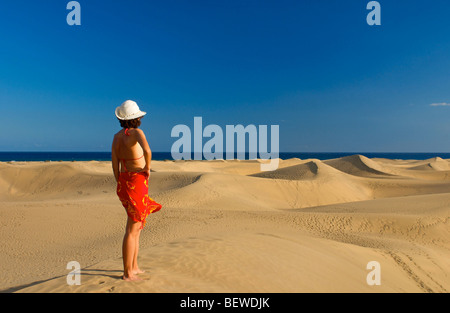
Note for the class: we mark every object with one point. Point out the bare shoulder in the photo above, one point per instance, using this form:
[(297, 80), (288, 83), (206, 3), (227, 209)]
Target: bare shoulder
[(115, 140), (116, 136), (138, 132)]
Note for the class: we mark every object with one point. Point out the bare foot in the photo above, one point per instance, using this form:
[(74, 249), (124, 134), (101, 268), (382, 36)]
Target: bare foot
[(131, 278), (138, 271)]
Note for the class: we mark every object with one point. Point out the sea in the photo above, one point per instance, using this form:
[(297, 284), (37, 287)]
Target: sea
[(161, 156)]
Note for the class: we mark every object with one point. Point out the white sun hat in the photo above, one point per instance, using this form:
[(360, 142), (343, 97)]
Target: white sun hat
[(129, 110)]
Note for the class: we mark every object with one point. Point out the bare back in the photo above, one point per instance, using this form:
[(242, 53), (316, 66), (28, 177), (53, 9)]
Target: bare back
[(129, 151)]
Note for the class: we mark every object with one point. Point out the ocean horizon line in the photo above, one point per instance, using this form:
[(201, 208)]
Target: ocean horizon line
[(30, 156)]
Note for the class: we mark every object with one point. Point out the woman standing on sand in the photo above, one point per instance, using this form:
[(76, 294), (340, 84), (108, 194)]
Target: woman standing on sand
[(131, 157)]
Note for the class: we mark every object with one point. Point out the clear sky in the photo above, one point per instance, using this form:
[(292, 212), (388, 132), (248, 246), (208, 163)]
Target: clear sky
[(316, 68)]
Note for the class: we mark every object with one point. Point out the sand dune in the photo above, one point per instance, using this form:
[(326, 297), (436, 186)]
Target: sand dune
[(436, 164), (55, 180), (431, 169), (309, 226), (308, 170), (359, 165)]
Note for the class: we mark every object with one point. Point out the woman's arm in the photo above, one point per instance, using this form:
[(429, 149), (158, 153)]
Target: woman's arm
[(115, 159), (146, 148)]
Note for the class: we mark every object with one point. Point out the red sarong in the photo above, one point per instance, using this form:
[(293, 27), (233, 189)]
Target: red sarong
[(132, 189)]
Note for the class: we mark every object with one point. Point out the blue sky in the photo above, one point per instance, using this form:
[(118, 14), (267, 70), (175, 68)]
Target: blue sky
[(332, 82)]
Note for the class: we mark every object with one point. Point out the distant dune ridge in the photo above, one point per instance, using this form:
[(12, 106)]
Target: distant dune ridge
[(225, 226)]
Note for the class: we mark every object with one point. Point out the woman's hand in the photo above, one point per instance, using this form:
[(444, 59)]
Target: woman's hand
[(146, 171)]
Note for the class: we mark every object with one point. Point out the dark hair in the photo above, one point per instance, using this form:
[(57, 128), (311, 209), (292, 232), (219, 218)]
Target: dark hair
[(131, 123)]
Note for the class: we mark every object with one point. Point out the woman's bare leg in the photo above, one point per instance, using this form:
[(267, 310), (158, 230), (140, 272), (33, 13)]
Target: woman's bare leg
[(129, 248), (136, 269)]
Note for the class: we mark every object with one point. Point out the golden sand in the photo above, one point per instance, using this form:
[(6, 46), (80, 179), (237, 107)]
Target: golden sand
[(310, 226)]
